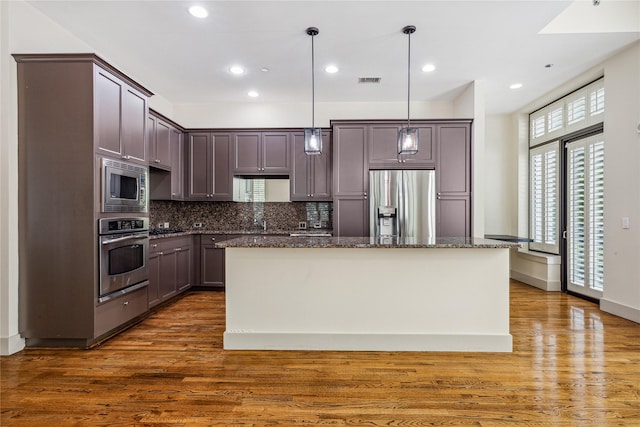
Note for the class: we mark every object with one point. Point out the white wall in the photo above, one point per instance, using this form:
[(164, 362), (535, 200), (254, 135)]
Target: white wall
[(23, 30), (501, 176), (255, 115), (622, 184), (470, 104), (622, 175)]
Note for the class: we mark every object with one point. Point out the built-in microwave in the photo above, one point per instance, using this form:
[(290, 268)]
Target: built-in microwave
[(124, 187)]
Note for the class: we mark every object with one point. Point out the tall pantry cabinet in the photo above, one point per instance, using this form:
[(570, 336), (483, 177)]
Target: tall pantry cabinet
[(73, 109)]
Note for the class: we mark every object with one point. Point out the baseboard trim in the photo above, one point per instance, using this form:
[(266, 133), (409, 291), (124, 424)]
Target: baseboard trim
[(240, 340), (545, 285), (620, 310), (11, 345)]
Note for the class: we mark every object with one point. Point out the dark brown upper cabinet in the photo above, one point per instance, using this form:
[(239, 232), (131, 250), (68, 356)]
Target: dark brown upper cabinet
[(176, 145), (160, 144), (310, 175), (383, 148), (261, 153), (121, 114), (453, 179), (350, 180), (166, 158), (209, 172)]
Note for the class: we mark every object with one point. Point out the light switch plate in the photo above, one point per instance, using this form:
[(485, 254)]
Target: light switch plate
[(625, 222), (302, 225), (197, 225)]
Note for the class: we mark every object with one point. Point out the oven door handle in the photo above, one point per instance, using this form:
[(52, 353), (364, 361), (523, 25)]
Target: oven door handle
[(122, 239)]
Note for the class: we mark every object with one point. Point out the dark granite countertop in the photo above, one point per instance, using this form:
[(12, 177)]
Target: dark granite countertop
[(256, 232), (361, 242)]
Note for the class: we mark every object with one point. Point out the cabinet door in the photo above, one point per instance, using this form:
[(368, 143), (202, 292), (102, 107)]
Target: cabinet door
[(350, 216), (199, 166), (349, 161), (320, 173), (275, 153), (453, 216), (154, 278), (134, 120), (453, 180), (184, 267), (151, 137), (161, 148), (383, 146), (107, 94), (454, 159), (300, 173), (176, 145), (167, 274), (426, 155), (212, 265), (222, 185), (246, 152)]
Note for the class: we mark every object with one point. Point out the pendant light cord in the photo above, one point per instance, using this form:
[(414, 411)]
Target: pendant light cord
[(409, 83), (313, 86)]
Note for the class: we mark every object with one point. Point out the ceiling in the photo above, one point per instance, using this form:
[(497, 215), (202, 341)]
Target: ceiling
[(186, 59)]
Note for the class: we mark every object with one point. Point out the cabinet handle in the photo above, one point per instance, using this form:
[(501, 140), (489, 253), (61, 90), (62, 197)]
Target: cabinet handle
[(155, 245), (125, 303), (160, 253), (157, 161), (439, 194), (126, 157), (177, 249), (213, 239)]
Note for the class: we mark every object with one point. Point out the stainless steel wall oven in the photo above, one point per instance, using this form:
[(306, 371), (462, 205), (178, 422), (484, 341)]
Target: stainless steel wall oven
[(124, 249)]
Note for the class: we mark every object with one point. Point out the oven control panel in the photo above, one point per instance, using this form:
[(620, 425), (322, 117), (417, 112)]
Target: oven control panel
[(122, 225)]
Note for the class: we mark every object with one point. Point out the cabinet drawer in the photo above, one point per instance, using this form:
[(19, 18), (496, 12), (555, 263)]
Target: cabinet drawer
[(120, 310)]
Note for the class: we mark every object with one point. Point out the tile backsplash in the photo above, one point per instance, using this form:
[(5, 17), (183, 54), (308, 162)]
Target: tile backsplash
[(231, 216)]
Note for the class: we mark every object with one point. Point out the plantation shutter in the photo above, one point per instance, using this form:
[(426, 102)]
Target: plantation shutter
[(585, 199), (544, 190)]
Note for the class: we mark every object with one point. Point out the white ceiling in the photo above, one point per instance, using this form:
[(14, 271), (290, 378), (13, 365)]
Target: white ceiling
[(186, 60)]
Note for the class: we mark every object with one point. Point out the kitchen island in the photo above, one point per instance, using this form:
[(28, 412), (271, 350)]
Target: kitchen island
[(378, 294)]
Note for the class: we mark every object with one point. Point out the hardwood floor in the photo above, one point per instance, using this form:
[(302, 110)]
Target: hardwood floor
[(572, 365)]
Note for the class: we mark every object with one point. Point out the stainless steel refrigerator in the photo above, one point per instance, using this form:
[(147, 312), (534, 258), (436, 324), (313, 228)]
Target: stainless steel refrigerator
[(402, 203)]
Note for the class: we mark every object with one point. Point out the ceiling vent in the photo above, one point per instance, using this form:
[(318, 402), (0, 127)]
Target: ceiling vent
[(369, 79)]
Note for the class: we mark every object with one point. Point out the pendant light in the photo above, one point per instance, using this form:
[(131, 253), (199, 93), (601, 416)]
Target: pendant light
[(408, 136), (313, 135)]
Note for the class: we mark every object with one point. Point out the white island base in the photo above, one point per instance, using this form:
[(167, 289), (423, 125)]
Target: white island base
[(378, 299)]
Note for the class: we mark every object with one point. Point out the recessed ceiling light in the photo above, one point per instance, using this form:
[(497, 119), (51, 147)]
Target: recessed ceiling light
[(331, 69), (253, 94), (198, 11), (428, 68), (236, 69), (264, 69), (515, 86)]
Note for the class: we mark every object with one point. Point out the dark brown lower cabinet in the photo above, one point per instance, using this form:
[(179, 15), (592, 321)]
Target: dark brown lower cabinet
[(170, 268), (453, 216), (211, 262)]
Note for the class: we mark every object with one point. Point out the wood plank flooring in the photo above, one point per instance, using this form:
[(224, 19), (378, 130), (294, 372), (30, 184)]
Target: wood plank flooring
[(572, 365)]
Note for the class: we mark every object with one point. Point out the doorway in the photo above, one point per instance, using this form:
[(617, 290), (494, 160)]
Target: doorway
[(584, 207)]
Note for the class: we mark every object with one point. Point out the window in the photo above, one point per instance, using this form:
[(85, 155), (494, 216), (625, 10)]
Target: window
[(544, 189), (577, 110)]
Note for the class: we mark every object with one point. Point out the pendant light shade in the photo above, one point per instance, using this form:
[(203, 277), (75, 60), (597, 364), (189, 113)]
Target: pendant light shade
[(408, 136), (313, 135)]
